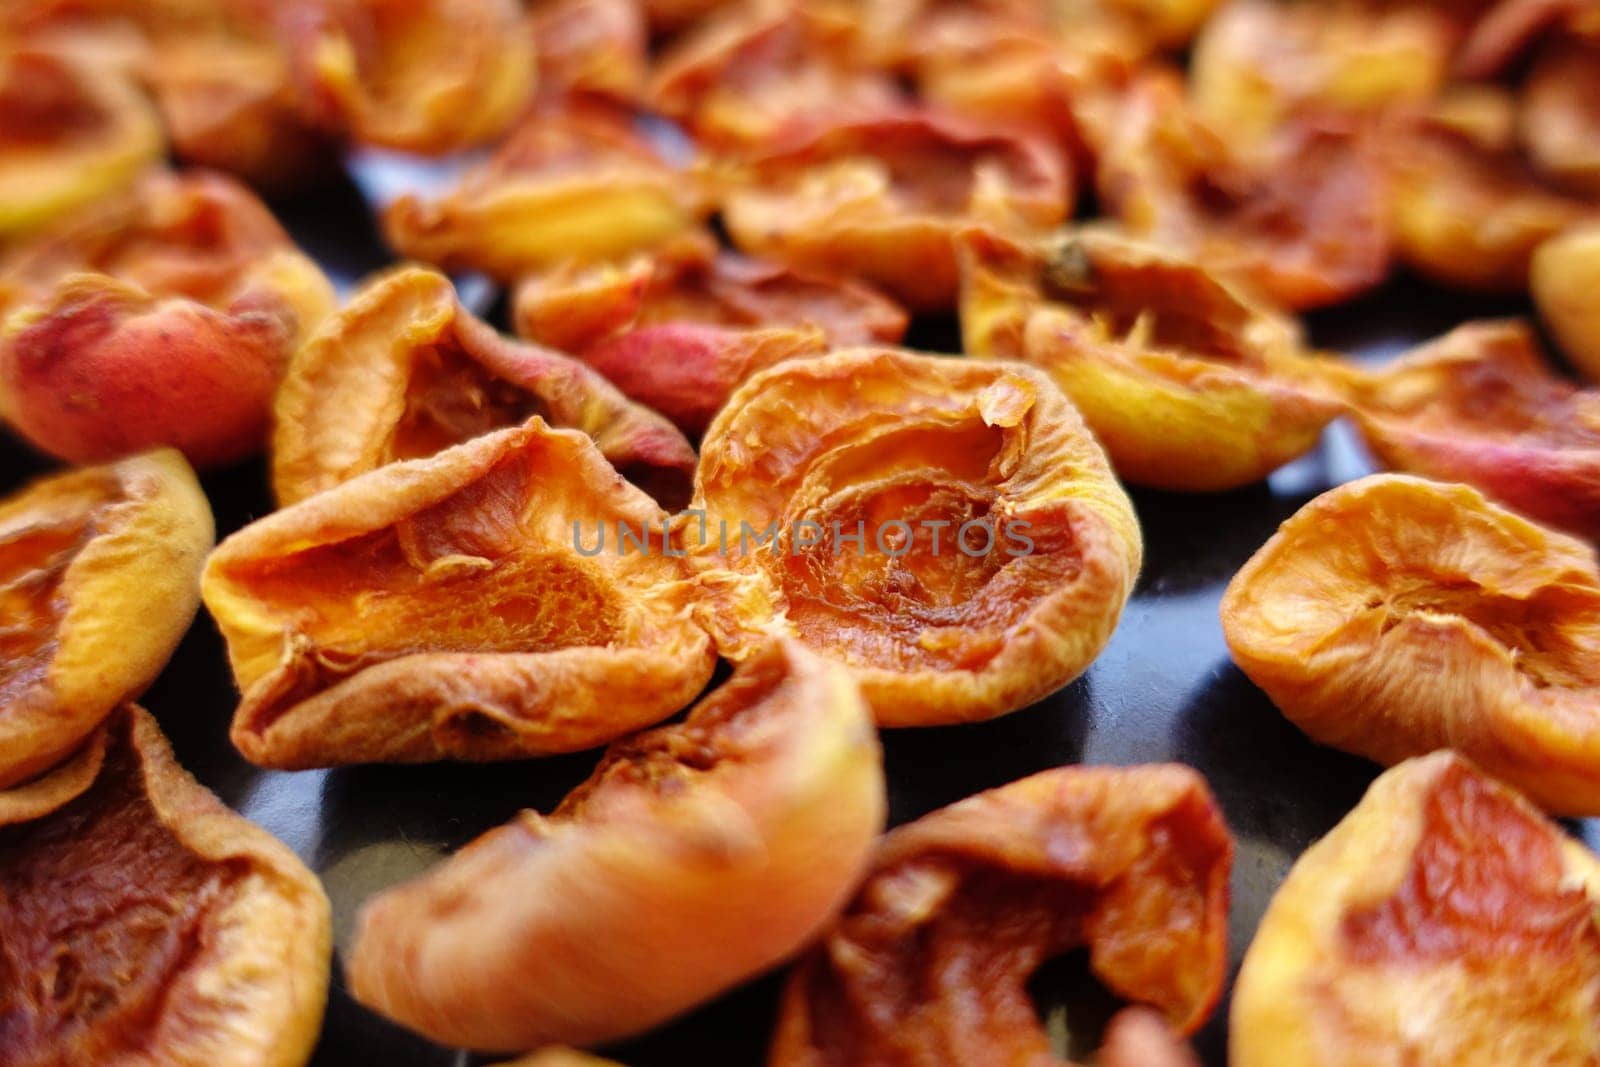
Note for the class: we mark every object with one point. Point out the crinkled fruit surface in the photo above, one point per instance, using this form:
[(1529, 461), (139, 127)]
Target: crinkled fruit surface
[(479, 604), (994, 550), (696, 856), (145, 924), (1394, 616), (1443, 921), (99, 579), (930, 962)]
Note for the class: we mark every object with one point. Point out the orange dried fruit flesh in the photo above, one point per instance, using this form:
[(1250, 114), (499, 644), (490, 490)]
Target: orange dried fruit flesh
[(591, 46), (882, 199), (678, 330), (1394, 616), (99, 579), (164, 316), (1302, 217), (1557, 118), (457, 607), (143, 923), (1479, 405), (576, 180), (559, 1057), (404, 371), (69, 134), (1564, 278), (993, 550), (1188, 382), (930, 962), (1443, 921), (696, 856), (429, 76)]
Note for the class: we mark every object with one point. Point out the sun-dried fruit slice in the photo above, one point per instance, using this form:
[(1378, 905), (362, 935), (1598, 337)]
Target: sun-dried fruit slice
[(575, 181), (99, 574), (680, 329), (757, 72), (1559, 117), (882, 199), (1442, 923), (1467, 209), (696, 856), (1387, 581), (69, 134), (1564, 279), (1303, 217), (404, 371), (930, 962), (1259, 64), (427, 76), (61, 783), (455, 607), (591, 46), (143, 923), (1188, 383), (162, 317), (947, 528), (1480, 406)]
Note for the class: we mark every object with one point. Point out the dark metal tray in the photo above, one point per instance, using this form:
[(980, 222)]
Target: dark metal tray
[(1164, 689)]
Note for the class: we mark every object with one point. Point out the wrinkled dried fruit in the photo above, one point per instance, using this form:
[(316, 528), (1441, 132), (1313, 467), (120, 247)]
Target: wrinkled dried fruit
[(1504, 33), (760, 72), (883, 199), (404, 371), (1466, 207), (1187, 383), (69, 134), (427, 76), (591, 46), (99, 577), (930, 962), (992, 549), (695, 856), (1443, 923), (1164, 24), (1260, 64), (1559, 118), (1565, 278), (1302, 218), (1480, 406), (142, 923), (457, 607), (40, 796), (1387, 581), (162, 317), (680, 329), (575, 181)]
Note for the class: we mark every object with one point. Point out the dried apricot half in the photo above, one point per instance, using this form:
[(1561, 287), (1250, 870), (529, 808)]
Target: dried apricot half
[(574, 181), (165, 316), (882, 199), (404, 371), (948, 528), (457, 607), (591, 46), (696, 856), (1393, 616), (1479, 405), (930, 962), (69, 135), (99, 579), (1188, 382), (1444, 921), (143, 923), (1564, 278)]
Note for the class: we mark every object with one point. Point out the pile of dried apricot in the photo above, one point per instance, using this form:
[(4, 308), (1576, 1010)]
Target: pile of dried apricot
[(698, 487)]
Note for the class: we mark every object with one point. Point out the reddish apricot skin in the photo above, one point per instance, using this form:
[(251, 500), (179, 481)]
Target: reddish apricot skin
[(1392, 579), (696, 856), (457, 607), (1558, 119), (162, 317), (864, 439), (929, 963), (1481, 406), (403, 370), (147, 925), (1442, 922), (883, 199), (99, 574), (1189, 383)]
